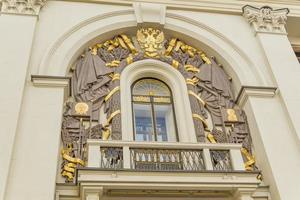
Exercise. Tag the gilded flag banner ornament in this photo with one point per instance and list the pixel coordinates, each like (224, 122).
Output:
(96, 95)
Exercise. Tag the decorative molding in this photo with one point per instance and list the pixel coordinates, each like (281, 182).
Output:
(150, 12)
(265, 19)
(254, 91)
(52, 81)
(24, 7)
(227, 7)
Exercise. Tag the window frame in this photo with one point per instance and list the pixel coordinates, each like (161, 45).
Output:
(152, 104)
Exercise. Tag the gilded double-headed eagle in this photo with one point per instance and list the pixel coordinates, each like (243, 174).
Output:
(151, 41)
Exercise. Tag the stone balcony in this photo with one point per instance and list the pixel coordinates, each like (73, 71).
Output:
(135, 170)
(164, 156)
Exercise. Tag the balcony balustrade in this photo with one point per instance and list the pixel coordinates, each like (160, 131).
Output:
(162, 156)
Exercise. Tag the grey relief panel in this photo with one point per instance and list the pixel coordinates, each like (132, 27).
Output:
(96, 93)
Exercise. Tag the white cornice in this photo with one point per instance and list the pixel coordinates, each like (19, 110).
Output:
(220, 6)
(52, 81)
(254, 91)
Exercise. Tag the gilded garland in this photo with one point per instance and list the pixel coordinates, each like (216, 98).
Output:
(96, 91)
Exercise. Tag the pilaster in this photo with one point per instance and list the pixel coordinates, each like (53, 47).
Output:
(268, 25)
(18, 20)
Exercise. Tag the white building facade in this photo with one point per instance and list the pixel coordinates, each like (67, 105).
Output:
(150, 100)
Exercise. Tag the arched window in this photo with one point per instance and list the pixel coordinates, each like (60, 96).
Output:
(153, 111)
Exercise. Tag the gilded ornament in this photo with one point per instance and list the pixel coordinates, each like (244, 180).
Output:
(231, 115)
(68, 169)
(129, 43)
(94, 50)
(112, 92)
(250, 159)
(81, 108)
(106, 133)
(129, 59)
(116, 77)
(111, 117)
(191, 68)
(122, 43)
(151, 41)
(114, 63)
(175, 64)
(204, 58)
(192, 81)
(211, 138)
(197, 97)
(172, 44)
(196, 116)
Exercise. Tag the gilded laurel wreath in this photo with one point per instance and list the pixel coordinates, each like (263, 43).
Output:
(151, 41)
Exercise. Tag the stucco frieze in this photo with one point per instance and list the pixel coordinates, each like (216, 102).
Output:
(265, 19)
(24, 7)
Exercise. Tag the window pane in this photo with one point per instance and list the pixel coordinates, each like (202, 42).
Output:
(143, 124)
(165, 127)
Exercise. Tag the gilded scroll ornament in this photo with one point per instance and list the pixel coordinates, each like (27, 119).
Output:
(116, 76)
(151, 41)
(249, 164)
(196, 116)
(116, 89)
(129, 43)
(204, 57)
(68, 169)
(114, 63)
(170, 47)
(191, 68)
(197, 97)
(192, 81)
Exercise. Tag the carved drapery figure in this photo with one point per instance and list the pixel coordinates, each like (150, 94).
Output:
(90, 81)
(96, 82)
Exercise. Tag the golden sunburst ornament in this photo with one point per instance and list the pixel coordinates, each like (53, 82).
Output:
(81, 108)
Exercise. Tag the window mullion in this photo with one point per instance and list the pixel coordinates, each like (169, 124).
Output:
(153, 118)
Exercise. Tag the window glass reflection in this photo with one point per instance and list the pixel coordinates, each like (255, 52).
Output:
(164, 121)
(143, 122)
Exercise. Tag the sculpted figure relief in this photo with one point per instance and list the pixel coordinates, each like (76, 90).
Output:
(96, 82)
